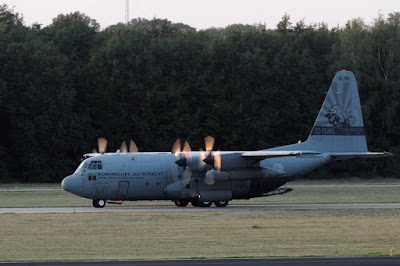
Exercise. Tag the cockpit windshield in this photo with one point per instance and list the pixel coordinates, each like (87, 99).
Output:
(89, 165)
(83, 164)
(95, 165)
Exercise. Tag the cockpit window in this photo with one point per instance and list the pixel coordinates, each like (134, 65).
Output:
(82, 165)
(95, 165)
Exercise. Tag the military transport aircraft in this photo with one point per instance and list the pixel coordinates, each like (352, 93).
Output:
(206, 177)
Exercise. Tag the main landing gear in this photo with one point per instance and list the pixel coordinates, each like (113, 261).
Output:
(99, 203)
(221, 203)
(181, 203)
(198, 203)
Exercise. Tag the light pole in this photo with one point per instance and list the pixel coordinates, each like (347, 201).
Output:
(126, 11)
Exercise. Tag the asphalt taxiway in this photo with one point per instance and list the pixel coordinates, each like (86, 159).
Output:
(312, 206)
(370, 261)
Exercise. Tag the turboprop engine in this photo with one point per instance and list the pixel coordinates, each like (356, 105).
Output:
(217, 166)
(200, 162)
(203, 161)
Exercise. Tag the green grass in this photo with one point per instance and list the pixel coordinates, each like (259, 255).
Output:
(84, 236)
(96, 236)
(57, 198)
(334, 195)
(29, 185)
(350, 181)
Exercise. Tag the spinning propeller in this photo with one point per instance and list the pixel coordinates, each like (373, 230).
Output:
(102, 146)
(213, 159)
(188, 161)
(132, 147)
(200, 162)
(184, 156)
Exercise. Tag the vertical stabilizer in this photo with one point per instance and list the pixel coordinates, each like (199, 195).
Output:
(339, 126)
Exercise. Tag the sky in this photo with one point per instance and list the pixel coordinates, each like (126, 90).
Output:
(208, 13)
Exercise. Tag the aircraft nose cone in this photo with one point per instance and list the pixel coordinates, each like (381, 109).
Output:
(73, 184)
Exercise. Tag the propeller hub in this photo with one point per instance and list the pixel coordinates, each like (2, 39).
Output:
(209, 160)
(181, 162)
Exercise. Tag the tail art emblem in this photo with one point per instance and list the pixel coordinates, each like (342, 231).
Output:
(341, 111)
(339, 118)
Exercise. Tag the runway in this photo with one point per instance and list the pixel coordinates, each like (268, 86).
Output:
(375, 261)
(316, 206)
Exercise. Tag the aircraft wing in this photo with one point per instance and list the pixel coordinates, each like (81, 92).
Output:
(348, 155)
(261, 155)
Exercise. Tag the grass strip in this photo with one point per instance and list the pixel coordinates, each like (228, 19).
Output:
(214, 234)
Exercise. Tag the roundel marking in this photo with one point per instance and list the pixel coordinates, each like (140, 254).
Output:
(278, 166)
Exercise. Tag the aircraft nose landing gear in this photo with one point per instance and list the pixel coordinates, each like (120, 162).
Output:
(99, 203)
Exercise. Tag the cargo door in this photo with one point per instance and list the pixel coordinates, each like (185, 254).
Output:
(123, 190)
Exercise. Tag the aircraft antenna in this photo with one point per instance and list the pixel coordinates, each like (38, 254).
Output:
(126, 11)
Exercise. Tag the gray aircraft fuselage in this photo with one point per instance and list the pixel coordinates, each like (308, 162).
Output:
(149, 176)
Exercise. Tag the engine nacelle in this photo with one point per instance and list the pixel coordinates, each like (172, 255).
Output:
(235, 161)
(179, 190)
(203, 162)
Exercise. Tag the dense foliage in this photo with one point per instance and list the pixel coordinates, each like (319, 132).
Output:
(64, 85)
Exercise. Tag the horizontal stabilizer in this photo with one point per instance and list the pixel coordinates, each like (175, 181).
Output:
(349, 155)
(261, 155)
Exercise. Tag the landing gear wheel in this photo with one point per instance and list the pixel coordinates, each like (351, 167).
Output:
(205, 203)
(197, 203)
(181, 203)
(221, 203)
(99, 203)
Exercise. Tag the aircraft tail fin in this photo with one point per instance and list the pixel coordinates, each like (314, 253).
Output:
(339, 126)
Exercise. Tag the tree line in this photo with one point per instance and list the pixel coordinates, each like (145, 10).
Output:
(64, 85)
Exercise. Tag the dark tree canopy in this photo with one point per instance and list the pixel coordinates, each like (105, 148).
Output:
(64, 85)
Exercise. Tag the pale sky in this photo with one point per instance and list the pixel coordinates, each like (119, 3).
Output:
(208, 13)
